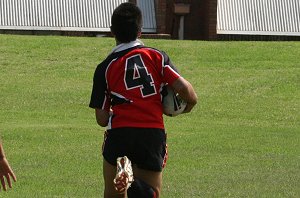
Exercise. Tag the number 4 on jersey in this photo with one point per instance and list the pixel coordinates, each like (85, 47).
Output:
(137, 76)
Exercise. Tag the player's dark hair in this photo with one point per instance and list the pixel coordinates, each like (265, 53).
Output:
(126, 22)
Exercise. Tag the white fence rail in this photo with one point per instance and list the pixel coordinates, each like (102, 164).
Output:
(61, 15)
(259, 17)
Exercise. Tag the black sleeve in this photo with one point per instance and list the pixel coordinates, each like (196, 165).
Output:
(167, 61)
(99, 91)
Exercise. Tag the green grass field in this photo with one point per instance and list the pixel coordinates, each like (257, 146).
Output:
(242, 139)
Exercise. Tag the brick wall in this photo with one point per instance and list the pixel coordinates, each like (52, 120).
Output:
(200, 23)
(161, 10)
(194, 22)
(212, 20)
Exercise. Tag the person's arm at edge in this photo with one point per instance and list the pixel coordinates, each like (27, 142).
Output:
(186, 93)
(5, 170)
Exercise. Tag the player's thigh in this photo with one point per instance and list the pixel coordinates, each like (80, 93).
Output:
(152, 178)
(109, 173)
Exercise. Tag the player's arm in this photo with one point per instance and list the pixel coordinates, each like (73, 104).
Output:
(179, 84)
(186, 92)
(102, 117)
(100, 100)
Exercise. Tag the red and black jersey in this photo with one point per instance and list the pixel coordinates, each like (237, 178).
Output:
(129, 81)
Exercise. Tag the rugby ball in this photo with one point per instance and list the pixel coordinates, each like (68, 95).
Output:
(173, 105)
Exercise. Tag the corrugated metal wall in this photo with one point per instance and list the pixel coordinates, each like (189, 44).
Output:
(259, 17)
(148, 10)
(64, 15)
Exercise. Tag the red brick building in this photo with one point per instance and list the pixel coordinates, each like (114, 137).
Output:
(200, 18)
(199, 23)
(177, 19)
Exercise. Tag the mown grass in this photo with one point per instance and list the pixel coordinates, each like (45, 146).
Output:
(242, 139)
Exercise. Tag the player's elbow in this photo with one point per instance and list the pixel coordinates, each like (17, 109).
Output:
(193, 99)
(102, 117)
(102, 123)
(191, 104)
(186, 91)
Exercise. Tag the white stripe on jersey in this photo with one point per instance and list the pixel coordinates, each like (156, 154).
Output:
(104, 102)
(168, 66)
(125, 46)
(119, 96)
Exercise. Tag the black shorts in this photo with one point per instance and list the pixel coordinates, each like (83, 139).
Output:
(145, 147)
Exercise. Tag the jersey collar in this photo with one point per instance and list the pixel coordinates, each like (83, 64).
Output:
(125, 46)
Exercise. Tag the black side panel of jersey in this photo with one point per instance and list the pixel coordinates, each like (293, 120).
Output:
(99, 88)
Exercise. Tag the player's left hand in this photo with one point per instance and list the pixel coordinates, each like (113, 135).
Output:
(6, 173)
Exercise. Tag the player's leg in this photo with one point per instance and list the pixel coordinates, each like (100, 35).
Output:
(147, 184)
(150, 158)
(117, 143)
(109, 173)
(139, 188)
(110, 153)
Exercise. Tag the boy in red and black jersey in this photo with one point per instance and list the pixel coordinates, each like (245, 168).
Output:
(130, 81)
(127, 99)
